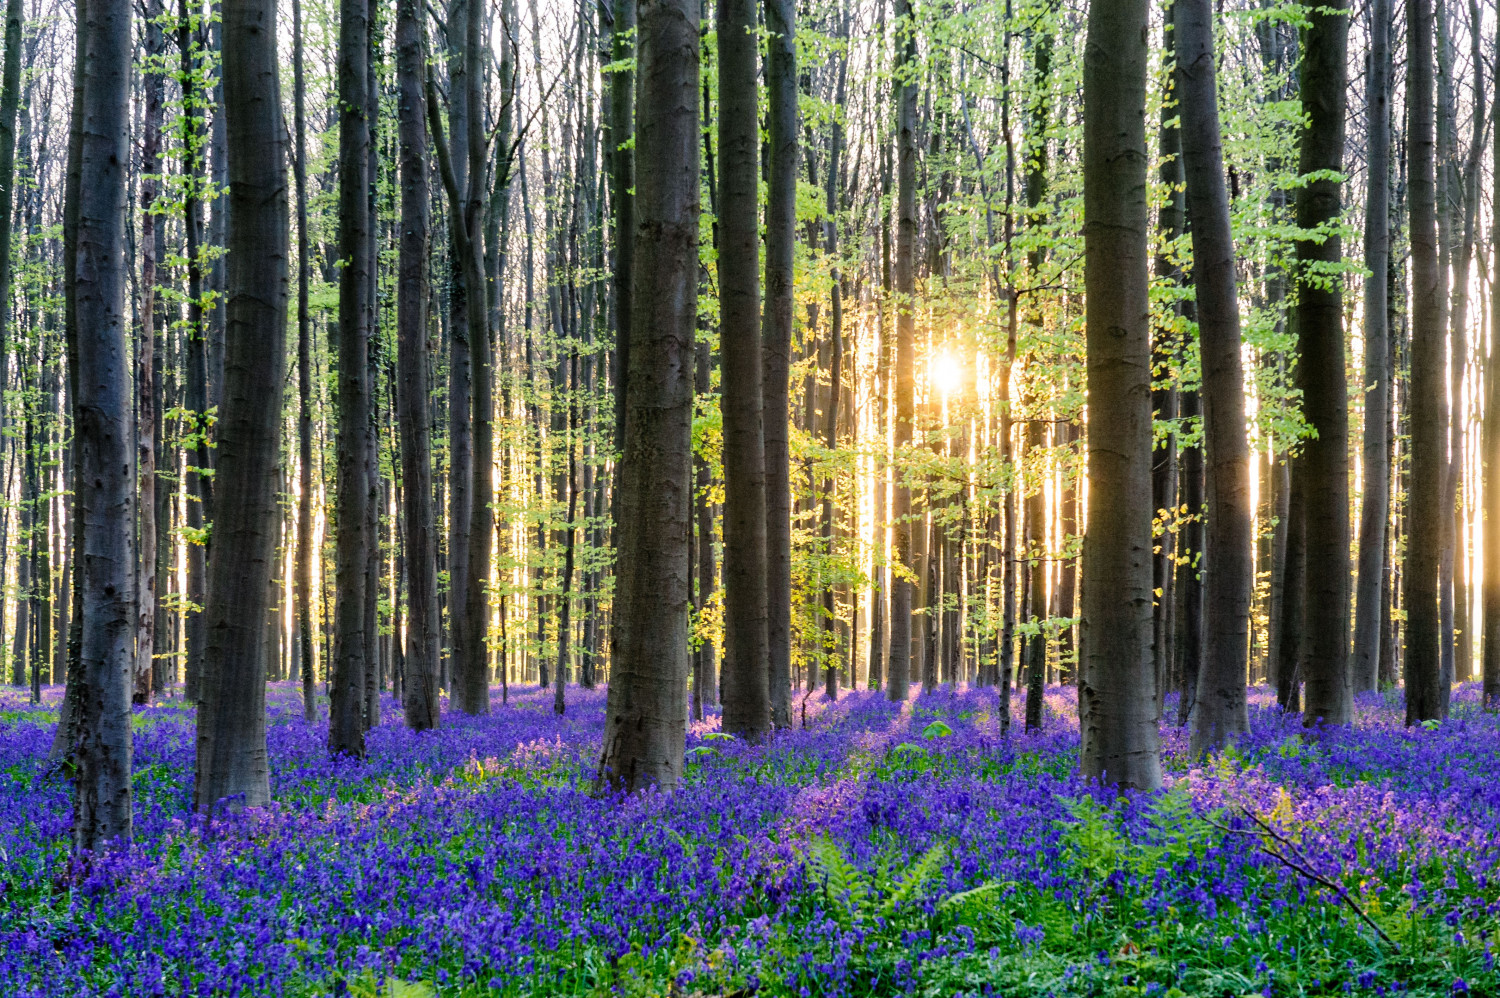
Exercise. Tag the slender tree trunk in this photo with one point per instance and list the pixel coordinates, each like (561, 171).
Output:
(199, 482)
(1428, 392)
(1117, 705)
(1219, 713)
(1376, 500)
(423, 633)
(460, 353)
(1187, 590)
(647, 709)
(776, 346)
(1490, 470)
(145, 366)
(102, 755)
(306, 534)
(898, 666)
(353, 643)
(747, 681)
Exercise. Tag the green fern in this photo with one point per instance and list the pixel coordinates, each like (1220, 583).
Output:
(365, 986)
(857, 895)
(917, 880)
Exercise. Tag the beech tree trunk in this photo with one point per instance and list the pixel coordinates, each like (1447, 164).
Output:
(232, 759)
(899, 657)
(352, 643)
(646, 714)
(145, 366)
(105, 483)
(423, 634)
(1320, 373)
(747, 707)
(776, 346)
(305, 532)
(1428, 391)
(1116, 694)
(1219, 715)
(1376, 500)
(1490, 470)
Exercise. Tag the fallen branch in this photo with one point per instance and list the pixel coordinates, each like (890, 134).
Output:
(1298, 863)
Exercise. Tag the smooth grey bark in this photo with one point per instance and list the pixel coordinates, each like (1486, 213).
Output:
(746, 679)
(423, 634)
(105, 483)
(1375, 505)
(1116, 692)
(232, 761)
(1327, 695)
(154, 85)
(776, 346)
(622, 205)
(305, 530)
(199, 460)
(646, 714)
(1489, 666)
(460, 351)
(356, 446)
(1219, 714)
(1428, 459)
(899, 657)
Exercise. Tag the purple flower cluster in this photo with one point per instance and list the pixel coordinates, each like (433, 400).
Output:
(478, 856)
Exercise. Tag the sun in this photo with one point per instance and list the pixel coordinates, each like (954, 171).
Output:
(946, 373)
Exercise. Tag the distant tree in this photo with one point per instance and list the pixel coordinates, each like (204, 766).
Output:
(646, 715)
(1375, 504)
(1117, 688)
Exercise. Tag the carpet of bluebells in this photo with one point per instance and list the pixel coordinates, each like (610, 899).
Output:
(877, 849)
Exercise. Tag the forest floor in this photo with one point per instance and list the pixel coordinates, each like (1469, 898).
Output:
(876, 850)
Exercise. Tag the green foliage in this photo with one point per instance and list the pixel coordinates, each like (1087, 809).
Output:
(886, 892)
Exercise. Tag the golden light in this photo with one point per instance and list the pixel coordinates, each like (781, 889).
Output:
(946, 373)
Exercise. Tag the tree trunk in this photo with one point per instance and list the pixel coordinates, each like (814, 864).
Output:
(232, 758)
(1490, 470)
(898, 665)
(647, 709)
(102, 754)
(747, 682)
(145, 366)
(1321, 374)
(776, 346)
(1117, 703)
(1219, 714)
(353, 644)
(1428, 392)
(306, 535)
(1376, 501)
(423, 634)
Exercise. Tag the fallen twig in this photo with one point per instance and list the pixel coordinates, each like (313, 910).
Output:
(1299, 863)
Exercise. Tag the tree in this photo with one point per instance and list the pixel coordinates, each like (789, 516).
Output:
(1490, 469)
(1320, 370)
(747, 709)
(352, 642)
(145, 353)
(1116, 694)
(232, 759)
(1428, 392)
(1375, 505)
(1219, 713)
(647, 708)
(898, 664)
(102, 754)
(423, 634)
(305, 526)
(776, 345)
